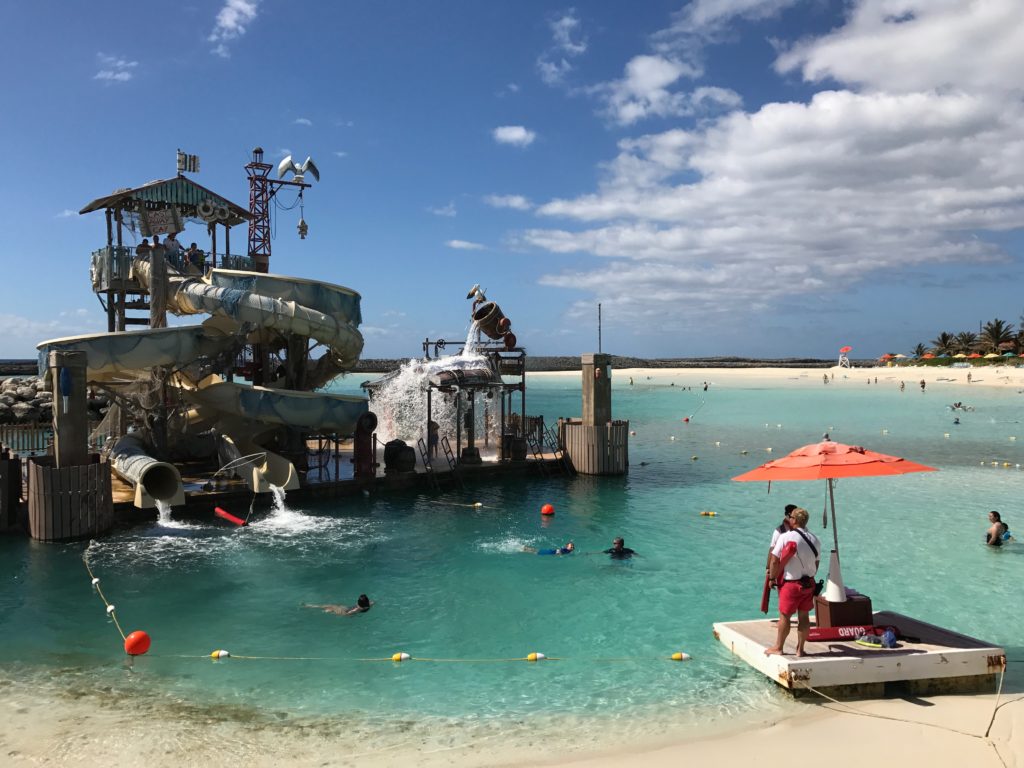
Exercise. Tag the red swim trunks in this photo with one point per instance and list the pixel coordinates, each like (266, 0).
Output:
(793, 598)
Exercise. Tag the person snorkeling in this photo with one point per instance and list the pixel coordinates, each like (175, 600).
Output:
(363, 604)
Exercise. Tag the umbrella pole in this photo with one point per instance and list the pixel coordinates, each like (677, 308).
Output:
(832, 502)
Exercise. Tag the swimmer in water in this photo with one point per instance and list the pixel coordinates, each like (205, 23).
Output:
(363, 604)
(619, 550)
(568, 549)
(999, 532)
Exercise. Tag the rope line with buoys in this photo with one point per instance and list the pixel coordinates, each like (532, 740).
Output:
(138, 643)
(135, 643)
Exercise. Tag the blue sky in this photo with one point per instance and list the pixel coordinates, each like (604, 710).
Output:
(752, 177)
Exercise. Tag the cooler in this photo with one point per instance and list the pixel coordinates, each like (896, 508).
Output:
(855, 610)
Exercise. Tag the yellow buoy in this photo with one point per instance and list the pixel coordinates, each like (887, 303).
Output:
(477, 504)
(708, 513)
(400, 656)
(680, 656)
(219, 654)
(535, 657)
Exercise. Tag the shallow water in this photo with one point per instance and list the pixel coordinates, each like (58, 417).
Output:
(450, 581)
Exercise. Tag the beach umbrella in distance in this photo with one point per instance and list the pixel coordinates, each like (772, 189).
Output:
(830, 461)
(900, 356)
(960, 355)
(973, 356)
(927, 356)
(991, 356)
(886, 356)
(1009, 354)
(844, 350)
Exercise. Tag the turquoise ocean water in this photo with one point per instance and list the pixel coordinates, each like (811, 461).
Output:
(450, 581)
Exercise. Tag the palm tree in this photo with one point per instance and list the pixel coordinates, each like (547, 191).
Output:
(944, 344)
(966, 341)
(919, 350)
(996, 333)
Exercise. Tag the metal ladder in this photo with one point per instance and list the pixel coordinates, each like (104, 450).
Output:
(537, 449)
(428, 467)
(559, 454)
(453, 465)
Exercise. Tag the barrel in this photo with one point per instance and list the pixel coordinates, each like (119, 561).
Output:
(487, 316)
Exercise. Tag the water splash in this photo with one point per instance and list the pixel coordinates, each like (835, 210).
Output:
(164, 508)
(401, 403)
(279, 506)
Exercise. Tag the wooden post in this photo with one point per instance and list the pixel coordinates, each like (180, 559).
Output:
(70, 424)
(157, 288)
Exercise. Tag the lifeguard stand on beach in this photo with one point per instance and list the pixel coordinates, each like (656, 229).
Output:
(844, 361)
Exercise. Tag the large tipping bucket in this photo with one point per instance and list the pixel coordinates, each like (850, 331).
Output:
(488, 315)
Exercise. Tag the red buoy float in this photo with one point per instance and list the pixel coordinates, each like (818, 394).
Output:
(228, 516)
(547, 509)
(137, 643)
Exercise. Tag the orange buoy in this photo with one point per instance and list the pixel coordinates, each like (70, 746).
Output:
(686, 419)
(137, 643)
(547, 509)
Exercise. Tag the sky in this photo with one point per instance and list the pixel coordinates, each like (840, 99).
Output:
(761, 178)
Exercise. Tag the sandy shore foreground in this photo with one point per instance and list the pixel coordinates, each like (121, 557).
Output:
(940, 731)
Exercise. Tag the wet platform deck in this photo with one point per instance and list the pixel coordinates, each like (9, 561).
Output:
(929, 659)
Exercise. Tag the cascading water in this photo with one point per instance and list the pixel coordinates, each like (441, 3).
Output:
(279, 496)
(401, 404)
(164, 509)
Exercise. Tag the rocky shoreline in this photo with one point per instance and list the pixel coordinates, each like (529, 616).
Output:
(28, 400)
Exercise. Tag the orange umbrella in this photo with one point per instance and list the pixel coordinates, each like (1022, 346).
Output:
(844, 350)
(830, 461)
(927, 356)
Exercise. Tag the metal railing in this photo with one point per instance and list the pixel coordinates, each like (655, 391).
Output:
(27, 439)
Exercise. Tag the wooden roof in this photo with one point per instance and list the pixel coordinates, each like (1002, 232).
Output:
(180, 192)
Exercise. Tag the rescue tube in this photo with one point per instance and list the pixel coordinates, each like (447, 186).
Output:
(207, 210)
(228, 516)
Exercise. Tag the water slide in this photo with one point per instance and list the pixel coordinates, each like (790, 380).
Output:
(242, 305)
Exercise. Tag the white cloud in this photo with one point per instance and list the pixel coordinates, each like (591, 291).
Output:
(232, 20)
(114, 69)
(340, 153)
(792, 202)
(919, 45)
(516, 135)
(303, 121)
(444, 210)
(555, 63)
(516, 202)
(465, 245)
(644, 91)
(284, 152)
(67, 213)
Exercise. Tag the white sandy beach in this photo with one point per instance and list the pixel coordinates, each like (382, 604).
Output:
(934, 377)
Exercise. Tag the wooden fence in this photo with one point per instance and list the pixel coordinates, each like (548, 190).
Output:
(70, 502)
(596, 450)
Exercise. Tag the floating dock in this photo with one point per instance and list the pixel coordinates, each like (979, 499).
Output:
(928, 660)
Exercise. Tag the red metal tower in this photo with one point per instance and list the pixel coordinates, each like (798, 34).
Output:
(261, 190)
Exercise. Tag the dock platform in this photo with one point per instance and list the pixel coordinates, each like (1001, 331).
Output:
(928, 660)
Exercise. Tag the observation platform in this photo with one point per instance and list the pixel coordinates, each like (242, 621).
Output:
(929, 660)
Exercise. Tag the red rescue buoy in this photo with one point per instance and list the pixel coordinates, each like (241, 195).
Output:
(137, 643)
(227, 516)
(686, 419)
(510, 341)
(547, 509)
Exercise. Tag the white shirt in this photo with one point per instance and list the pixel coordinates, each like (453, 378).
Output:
(171, 245)
(803, 563)
(775, 538)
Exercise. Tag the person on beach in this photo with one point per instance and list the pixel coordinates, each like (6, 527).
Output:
(968, 377)
(922, 385)
(568, 549)
(903, 385)
(999, 532)
(363, 604)
(795, 557)
(619, 550)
